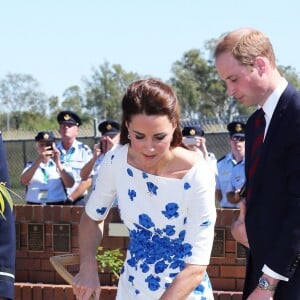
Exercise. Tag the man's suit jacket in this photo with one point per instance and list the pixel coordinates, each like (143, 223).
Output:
(273, 210)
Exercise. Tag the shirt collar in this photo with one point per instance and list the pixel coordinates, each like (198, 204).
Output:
(272, 101)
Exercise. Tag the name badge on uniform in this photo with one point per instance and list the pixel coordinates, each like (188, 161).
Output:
(43, 195)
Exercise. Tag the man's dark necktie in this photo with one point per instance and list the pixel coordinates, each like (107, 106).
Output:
(255, 150)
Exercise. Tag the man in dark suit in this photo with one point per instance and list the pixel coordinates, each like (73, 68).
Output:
(7, 237)
(245, 60)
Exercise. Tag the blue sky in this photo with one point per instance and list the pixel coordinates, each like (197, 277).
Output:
(58, 42)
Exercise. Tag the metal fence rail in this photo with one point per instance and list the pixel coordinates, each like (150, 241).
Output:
(19, 152)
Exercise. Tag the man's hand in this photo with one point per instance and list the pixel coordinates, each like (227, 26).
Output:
(259, 294)
(238, 229)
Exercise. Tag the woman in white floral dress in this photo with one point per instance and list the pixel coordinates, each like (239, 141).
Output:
(166, 199)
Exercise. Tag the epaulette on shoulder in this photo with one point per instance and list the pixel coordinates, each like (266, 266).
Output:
(221, 158)
(84, 146)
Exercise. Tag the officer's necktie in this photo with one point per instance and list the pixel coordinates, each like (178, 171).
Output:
(255, 150)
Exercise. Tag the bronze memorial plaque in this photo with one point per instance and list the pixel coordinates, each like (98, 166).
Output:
(18, 236)
(61, 237)
(240, 251)
(35, 237)
(218, 249)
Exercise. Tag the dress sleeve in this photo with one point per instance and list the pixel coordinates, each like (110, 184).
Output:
(201, 215)
(104, 191)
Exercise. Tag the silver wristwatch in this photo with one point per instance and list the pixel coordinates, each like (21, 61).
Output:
(264, 284)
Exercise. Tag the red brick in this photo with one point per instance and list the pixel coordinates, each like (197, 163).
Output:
(225, 297)
(38, 213)
(58, 279)
(37, 292)
(112, 243)
(237, 296)
(114, 215)
(69, 293)
(28, 212)
(22, 275)
(223, 284)
(230, 246)
(18, 292)
(28, 264)
(240, 284)
(232, 271)
(48, 292)
(219, 217)
(108, 293)
(41, 277)
(105, 278)
(227, 217)
(66, 214)
(57, 213)
(216, 296)
(26, 292)
(59, 293)
(76, 212)
(213, 271)
(222, 260)
(46, 265)
(47, 213)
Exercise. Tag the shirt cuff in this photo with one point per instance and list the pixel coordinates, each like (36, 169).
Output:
(273, 274)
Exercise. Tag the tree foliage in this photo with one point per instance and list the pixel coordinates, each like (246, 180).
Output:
(200, 91)
(104, 91)
(291, 75)
(19, 93)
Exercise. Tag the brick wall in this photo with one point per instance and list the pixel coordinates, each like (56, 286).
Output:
(36, 276)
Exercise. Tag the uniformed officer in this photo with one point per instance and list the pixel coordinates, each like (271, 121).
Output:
(231, 160)
(47, 177)
(74, 153)
(193, 138)
(109, 130)
(7, 237)
(237, 181)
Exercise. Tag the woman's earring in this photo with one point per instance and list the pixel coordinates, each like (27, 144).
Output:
(128, 136)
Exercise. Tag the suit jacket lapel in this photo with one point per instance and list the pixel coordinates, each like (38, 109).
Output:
(270, 135)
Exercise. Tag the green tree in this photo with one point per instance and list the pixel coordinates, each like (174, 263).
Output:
(291, 75)
(73, 99)
(201, 92)
(19, 93)
(105, 89)
(36, 121)
(54, 106)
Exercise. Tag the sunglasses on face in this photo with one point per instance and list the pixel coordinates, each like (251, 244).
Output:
(237, 138)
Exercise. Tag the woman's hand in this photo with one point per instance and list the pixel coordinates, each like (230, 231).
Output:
(86, 284)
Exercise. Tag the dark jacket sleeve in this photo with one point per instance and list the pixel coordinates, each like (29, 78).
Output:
(7, 253)
(7, 237)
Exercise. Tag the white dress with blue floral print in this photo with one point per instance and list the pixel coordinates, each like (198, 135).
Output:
(170, 221)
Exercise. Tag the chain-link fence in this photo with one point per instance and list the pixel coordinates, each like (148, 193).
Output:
(19, 152)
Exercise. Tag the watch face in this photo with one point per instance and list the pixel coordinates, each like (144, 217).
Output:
(263, 283)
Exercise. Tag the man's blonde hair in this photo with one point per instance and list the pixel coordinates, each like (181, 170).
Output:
(246, 44)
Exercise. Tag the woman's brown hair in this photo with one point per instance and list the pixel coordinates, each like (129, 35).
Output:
(150, 97)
